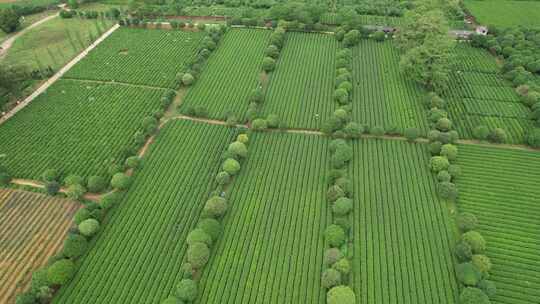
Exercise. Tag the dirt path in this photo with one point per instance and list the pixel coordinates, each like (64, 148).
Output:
(117, 83)
(57, 76)
(6, 45)
(36, 184)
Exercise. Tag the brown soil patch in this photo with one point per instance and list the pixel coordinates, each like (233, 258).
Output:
(123, 52)
(32, 229)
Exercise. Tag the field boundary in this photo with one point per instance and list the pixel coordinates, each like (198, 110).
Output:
(58, 75)
(120, 83)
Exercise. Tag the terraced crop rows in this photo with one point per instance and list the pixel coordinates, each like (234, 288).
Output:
(479, 95)
(272, 247)
(382, 95)
(301, 88)
(230, 75)
(402, 231)
(75, 127)
(139, 56)
(41, 224)
(137, 257)
(501, 188)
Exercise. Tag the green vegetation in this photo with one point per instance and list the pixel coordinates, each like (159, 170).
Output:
(505, 13)
(232, 72)
(381, 95)
(493, 183)
(140, 56)
(54, 43)
(478, 95)
(272, 238)
(75, 127)
(149, 228)
(300, 90)
(399, 225)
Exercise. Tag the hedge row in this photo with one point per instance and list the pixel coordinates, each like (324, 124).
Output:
(209, 227)
(473, 268)
(272, 53)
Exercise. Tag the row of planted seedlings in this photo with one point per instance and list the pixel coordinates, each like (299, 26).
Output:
(208, 230)
(338, 235)
(473, 265)
(256, 100)
(61, 268)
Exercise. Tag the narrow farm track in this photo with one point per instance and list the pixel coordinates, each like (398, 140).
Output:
(28, 248)
(402, 231)
(6, 44)
(36, 184)
(57, 76)
(272, 247)
(501, 187)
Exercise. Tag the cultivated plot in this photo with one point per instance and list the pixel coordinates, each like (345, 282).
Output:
(230, 75)
(75, 127)
(137, 257)
(501, 187)
(41, 224)
(381, 94)
(403, 235)
(479, 95)
(301, 88)
(139, 56)
(272, 246)
(505, 13)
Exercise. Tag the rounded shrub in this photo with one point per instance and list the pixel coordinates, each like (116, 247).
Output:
(198, 235)
(340, 295)
(198, 255)
(342, 221)
(377, 131)
(172, 300)
(39, 279)
(482, 263)
(342, 206)
(334, 235)
(438, 163)
(454, 170)
(238, 149)
(243, 138)
(481, 132)
(73, 179)
(447, 191)
(27, 297)
(444, 124)
(466, 221)
(50, 175)
(75, 245)
(343, 266)
(89, 227)
(223, 178)
(471, 295)
(444, 176)
(330, 278)
(411, 134)
(435, 148)
(215, 206)
(463, 252)
(475, 240)
(109, 200)
(187, 290)
(498, 135)
(81, 215)
(488, 287)
(449, 151)
(187, 79)
(334, 193)
(259, 124)
(331, 256)
(345, 184)
(533, 137)
(231, 166)
(133, 162)
(60, 272)
(211, 226)
(52, 188)
(468, 274)
(96, 184)
(120, 181)
(433, 135)
(269, 64)
(75, 192)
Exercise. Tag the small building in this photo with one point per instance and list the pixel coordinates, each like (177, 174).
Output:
(482, 30)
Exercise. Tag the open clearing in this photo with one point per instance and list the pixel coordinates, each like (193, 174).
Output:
(147, 231)
(502, 188)
(43, 223)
